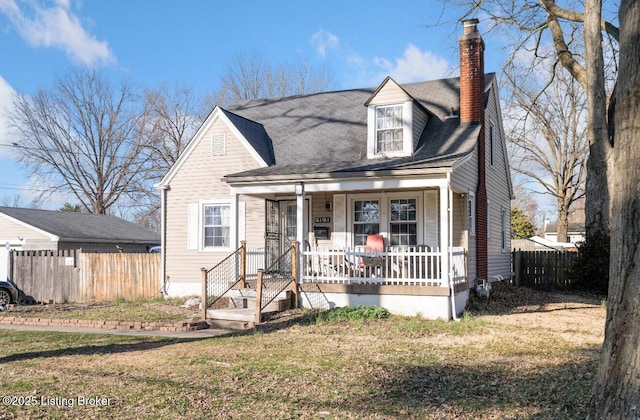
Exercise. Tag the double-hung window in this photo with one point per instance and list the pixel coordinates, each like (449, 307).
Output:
(216, 225)
(403, 222)
(389, 136)
(366, 220)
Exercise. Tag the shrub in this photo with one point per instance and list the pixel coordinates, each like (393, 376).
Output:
(353, 313)
(590, 269)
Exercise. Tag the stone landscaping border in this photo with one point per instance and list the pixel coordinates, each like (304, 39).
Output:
(106, 325)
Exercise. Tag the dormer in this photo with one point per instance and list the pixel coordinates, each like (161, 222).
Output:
(394, 122)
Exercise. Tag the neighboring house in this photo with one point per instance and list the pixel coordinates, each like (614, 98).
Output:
(33, 229)
(424, 165)
(538, 243)
(575, 232)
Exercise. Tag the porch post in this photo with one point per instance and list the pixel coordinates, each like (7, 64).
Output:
(234, 233)
(444, 234)
(300, 225)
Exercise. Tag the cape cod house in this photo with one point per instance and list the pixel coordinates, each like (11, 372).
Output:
(399, 195)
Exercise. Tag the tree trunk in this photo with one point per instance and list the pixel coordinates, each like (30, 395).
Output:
(616, 393)
(599, 182)
(563, 221)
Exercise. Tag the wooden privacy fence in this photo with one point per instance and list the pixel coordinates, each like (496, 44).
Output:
(542, 269)
(75, 276)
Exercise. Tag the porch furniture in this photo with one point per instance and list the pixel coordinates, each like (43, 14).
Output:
(372, 261)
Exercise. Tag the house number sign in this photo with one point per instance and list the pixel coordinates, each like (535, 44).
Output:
(321, 220)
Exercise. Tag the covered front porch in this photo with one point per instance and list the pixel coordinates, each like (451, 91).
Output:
(420, 265)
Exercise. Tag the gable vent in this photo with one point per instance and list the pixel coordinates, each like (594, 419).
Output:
(219, 144)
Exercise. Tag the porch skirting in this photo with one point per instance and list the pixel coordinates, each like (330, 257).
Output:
(430, 302)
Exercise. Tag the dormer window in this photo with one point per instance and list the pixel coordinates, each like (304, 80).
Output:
(395, 121)
(389, 129)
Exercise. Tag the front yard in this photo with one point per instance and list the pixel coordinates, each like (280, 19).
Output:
(529, 356)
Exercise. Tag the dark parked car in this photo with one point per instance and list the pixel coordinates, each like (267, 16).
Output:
(8, 293)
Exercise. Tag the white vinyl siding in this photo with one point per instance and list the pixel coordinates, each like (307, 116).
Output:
(400, 138)
(498, 191)
(192, 226)
(199, 180)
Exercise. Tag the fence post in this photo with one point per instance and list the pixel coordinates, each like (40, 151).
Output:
(258, 318)
(243, 264)
(294, 273)
(204, 293)
(517, 266)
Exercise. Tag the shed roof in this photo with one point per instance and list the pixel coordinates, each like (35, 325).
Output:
(83, 227)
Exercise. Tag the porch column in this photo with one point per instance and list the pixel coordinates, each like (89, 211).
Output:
(235, 229)
(444, 234)
(300, 226)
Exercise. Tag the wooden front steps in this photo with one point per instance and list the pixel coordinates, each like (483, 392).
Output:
(241, 313)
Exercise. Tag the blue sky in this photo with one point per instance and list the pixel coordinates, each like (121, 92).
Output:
(165, 41)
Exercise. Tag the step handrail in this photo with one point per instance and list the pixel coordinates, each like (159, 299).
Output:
(214, 284)
(267, 292)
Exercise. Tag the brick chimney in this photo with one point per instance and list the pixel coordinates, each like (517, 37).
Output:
(472, 111)
(471, 73)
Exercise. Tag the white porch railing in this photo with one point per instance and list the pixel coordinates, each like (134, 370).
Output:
(412, 266)
(255, 262)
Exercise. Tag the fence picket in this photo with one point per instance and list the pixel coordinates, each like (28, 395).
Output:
(542, 269)
(75, 276)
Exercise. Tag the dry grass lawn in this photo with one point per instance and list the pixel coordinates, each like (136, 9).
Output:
(521, 355)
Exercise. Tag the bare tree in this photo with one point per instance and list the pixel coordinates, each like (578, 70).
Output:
(546, 131)
(81, 137)
(171, 116)
(616, 393)
(578, 46)
(250, 77)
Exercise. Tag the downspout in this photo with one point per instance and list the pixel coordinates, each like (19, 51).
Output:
(454, 313)
(163, 238)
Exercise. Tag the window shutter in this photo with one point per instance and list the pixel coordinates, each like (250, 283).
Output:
(339, 221)
(431, 223)
(192, 226)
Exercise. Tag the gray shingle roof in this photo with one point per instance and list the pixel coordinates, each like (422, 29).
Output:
(84, 227)
(327, 132)
(255, 135)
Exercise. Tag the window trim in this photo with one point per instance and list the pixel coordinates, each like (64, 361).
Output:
(407, 130)
(385, 208)
(492, 148)
(201, 225)
(352, 223)
(488, 219)
(416, 221)
(503, 233)
(378, 130)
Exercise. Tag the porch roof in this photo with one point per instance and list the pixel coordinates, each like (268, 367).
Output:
(326, 133)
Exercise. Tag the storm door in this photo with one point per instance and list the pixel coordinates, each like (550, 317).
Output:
(272, 241)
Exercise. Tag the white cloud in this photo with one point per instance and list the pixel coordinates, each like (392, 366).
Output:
(414, 65)
(324, 40)
(57, 26)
